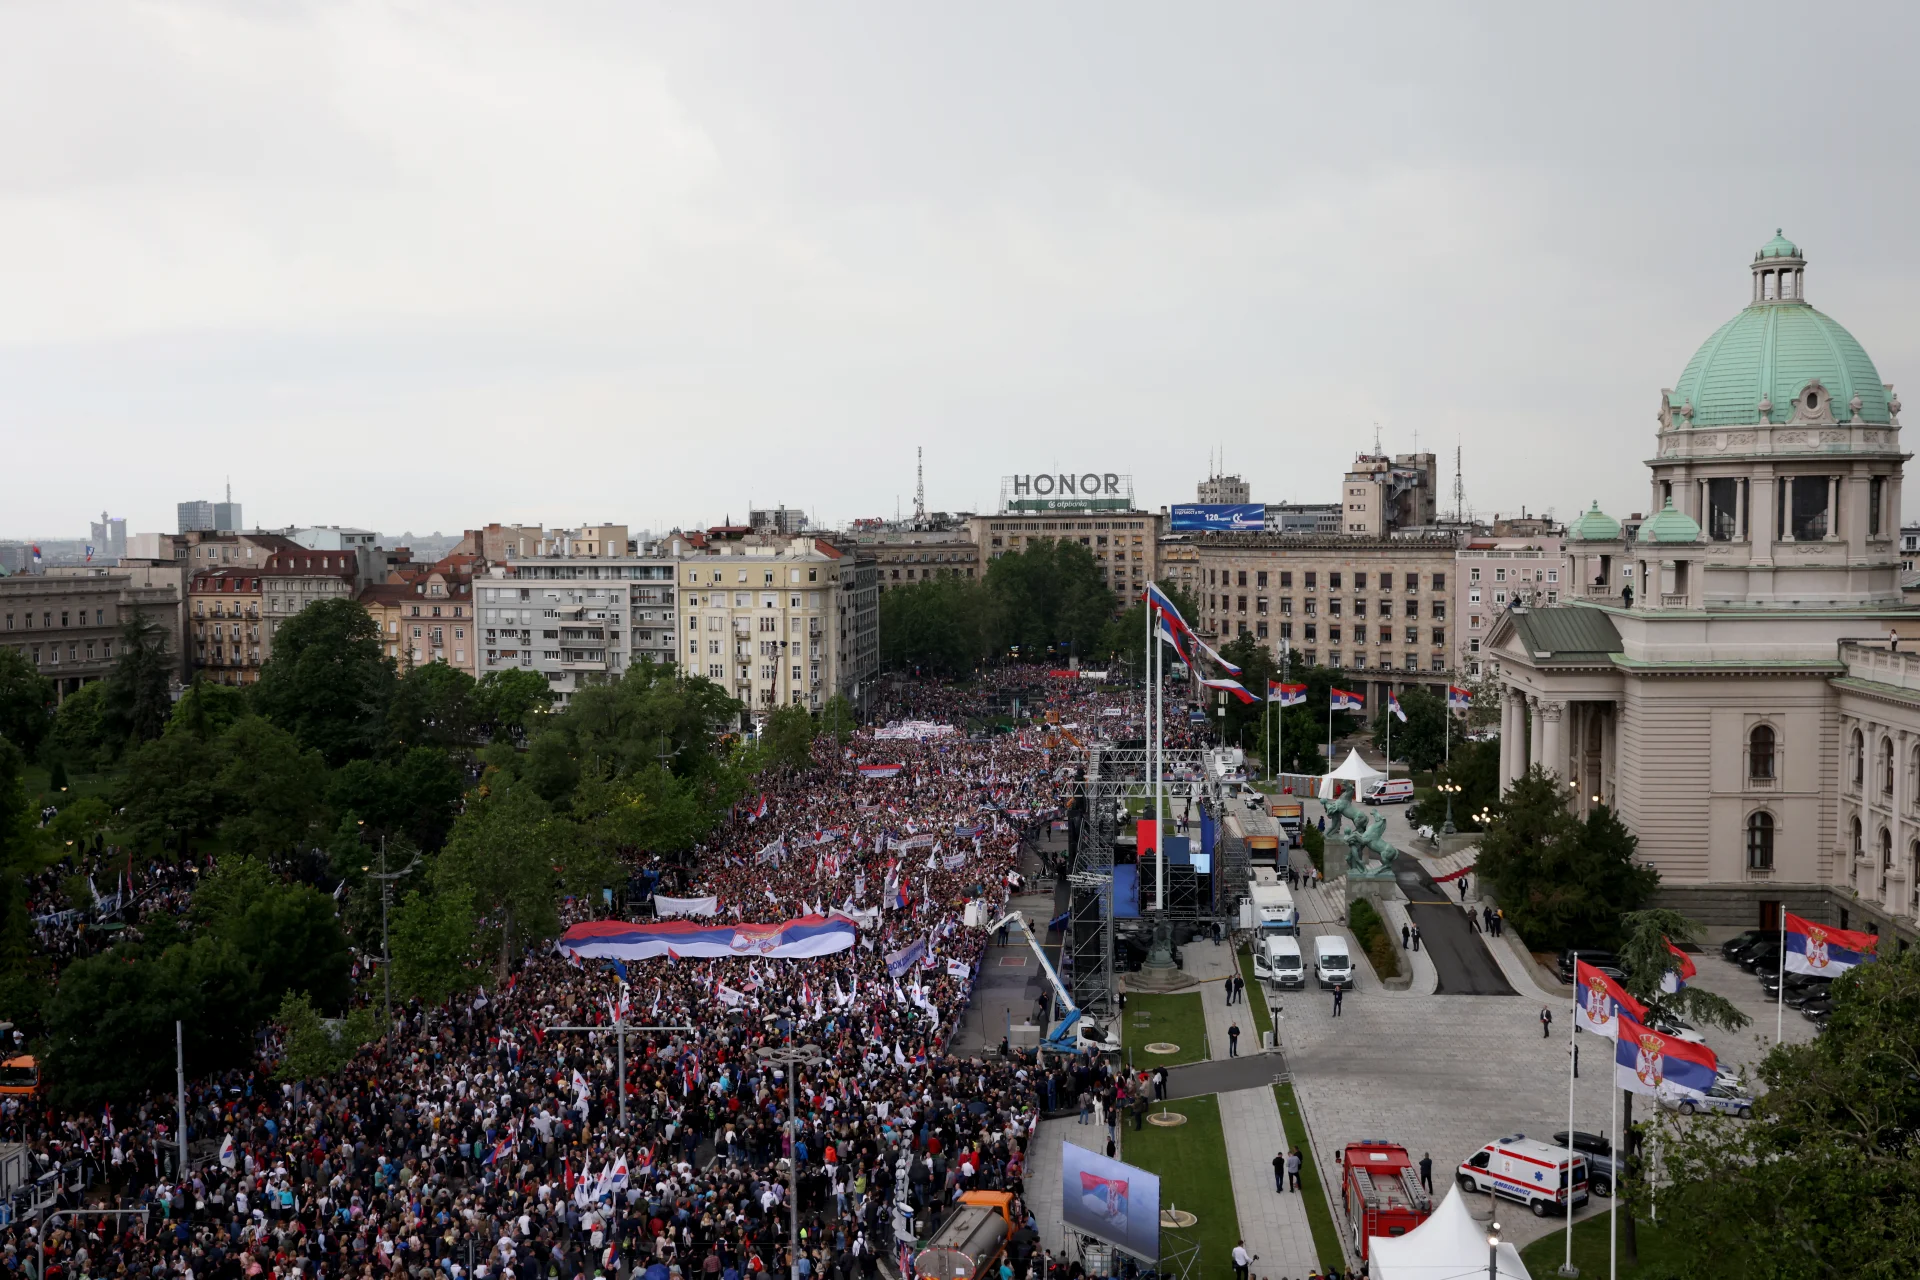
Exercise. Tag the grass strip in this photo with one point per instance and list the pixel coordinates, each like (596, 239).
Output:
(1191, 1161)
(1326, 1234)
(1256, 996)
(1371, 932)
(1179, 1019)
(1659, 1259)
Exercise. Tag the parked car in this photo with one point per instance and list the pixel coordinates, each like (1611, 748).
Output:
(1761, 957)
(1729, 1099)
(1817, 1013)
(1667, 1024)
(1601, 960)
(1811, 989)
(1730, 949)
(1821, 1003)
(1599, 1154)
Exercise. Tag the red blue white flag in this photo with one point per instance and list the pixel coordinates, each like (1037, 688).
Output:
(1819, 948)
(1287, 695)
(1602, 1003)
(1645, 1061)
(1342, 700)
(1459, 699)
(1393, 705)
(1233, 687)
(1675, 978)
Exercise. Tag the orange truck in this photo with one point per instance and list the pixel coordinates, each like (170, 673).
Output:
(969, 1243)
(20, 1076)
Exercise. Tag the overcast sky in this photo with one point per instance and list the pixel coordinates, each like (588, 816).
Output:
(429, 265)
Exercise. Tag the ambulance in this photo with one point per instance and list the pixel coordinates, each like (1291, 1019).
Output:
(1530, 1172)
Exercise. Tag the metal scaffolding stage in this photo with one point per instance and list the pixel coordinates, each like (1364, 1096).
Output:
(1114, 775)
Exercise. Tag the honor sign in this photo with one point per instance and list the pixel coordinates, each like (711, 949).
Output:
(1067, 491)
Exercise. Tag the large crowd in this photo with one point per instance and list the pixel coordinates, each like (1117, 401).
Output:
(479, 1142)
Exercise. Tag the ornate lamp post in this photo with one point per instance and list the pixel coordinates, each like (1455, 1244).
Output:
(1449, 790)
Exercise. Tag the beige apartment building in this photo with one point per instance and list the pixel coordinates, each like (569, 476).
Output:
(778, 620)
(235, 612)
(905, 556)
(1365, 605)
(1125, 544)
(428, 617)
(1494, 574)
(67, 621)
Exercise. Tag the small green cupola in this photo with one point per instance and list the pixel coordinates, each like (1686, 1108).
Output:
(1669, 525)
(1594, 525)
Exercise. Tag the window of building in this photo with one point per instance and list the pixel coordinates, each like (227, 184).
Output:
(1853, 826)
(1359, 608)
(1333, 580)
(1286, 579)
(1260, 606)
(1311, 634)
(1876, 499)
(1311, 584)
(1260, 578)
(1886, 766)
(1260, 630)
(1439, 635)
(1473, 645)
(1553, 575)
(1241, 603)
(1473, 574)
(1359, 582)
(1286, 631)
(1439, 582)
(1760, 744)
(1333, 608)
(1333, 634)
(1857, 757)
(1886, 849)
(1500, 575)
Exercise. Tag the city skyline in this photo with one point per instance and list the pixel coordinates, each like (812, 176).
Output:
(738, 251)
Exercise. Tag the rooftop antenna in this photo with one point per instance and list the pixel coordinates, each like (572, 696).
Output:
(1459, 488)
(919, 483)
(1376, 439)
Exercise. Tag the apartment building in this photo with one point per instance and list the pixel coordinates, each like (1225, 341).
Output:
(1380, 494)
(235, 612)
(67, 621)
(1493, 574)
(1365, 605)
(426, 617)
(1125, 544)
(903, 557)
(779, 620)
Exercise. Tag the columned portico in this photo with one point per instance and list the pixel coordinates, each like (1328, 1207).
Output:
(1553, 748)
(1535, 734)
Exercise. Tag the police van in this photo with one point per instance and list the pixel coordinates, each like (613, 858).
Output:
(1528, 1171)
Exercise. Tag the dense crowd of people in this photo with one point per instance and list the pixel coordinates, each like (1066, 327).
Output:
(479, 1141)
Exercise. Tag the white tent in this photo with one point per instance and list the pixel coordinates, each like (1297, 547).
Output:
(1353, 769)
(1448, 1245)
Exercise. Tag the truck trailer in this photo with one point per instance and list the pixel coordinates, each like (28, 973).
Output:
(970, 1241)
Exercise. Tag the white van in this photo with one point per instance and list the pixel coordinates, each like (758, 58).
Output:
(1531, 1172)
(1331, 963)
(1390, 791)
(1277, 962)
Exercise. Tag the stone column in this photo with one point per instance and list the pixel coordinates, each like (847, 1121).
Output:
(1509, 737)
(1553, 750)
(1833, 509)
(1534, 733)
(1784, 509)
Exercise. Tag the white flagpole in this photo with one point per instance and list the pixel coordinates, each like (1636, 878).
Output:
(1159, 822)
(1573, 1029)
(1613, 1209)
(1389, 730)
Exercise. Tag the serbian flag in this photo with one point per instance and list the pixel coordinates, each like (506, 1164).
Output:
(1233, 687)
(1172, 637)
(1287, 695)
(1675, 978)
(1819, 948)
(1459, 699)
(880, 770)
(1105, 1198)
(1341, 700)
(1213, 653)
(1158, 602)
(1645, 1061)
(1602, 1002)
(1393, 705)
(758, 811)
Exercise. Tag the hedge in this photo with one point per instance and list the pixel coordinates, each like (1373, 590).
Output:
(1371, 933)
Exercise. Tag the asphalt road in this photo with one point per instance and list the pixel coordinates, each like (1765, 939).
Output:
(1224, 1075)
(1458, 953)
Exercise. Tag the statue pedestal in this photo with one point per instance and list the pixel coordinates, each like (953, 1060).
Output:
(1376, 889)
(1151, 979)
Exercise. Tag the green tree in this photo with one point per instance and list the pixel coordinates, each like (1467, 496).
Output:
(1562, 882)
(167, 798)
(837, 720)
(433, 705)
(1050, 600)
(1820, 1182)
(268, 788)
(1246, 723)
(313, 1048)
(23, 968)
(1475, 768)
(787, 738)
(621, 728)
(139, 689)
(510, 853)
(206, 710)
(414, 795)
(80, 733)
(432, 943)
(943, 626)
(327, 682)
(505, 703)
(650, 812)
(1422, 740)
(25, 699)
(287, 936)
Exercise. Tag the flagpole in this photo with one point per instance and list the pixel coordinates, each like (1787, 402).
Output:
(1780, 994)
(1573, 1029)
(1613, 1208)
(1389, 730)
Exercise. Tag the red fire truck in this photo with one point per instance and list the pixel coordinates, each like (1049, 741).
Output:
(1381, 1191)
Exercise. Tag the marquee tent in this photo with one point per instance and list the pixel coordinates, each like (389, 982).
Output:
(1448, 1245)
(1353, 769)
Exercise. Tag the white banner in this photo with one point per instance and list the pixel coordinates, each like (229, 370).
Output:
(954, 861)
(731, 998)
(913, 730)
(958, 969)
(665, 906)
(773, 852)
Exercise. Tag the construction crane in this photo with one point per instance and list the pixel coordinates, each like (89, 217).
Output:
(1073, 1034)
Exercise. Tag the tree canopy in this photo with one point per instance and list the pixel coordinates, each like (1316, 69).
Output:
(1562, 881)
(25, 699)
(327, 682)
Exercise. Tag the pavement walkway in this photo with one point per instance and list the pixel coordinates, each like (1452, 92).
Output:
(1273, 1225)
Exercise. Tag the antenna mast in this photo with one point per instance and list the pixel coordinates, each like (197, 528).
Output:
(1459, 488)
(919, 483)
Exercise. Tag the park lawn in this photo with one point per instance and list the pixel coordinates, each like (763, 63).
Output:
(1191, 1161)
(1326, 1233)
(1177, 1019)
(38, 785)
(1658, 1257)
(1256, 997)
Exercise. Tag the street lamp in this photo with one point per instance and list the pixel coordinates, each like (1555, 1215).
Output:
(1493, 1253)
(1449, 790)
(790, 1057)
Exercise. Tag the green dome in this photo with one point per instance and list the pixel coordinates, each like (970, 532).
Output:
(1772, 350)
(1778, 247)
(1594, 525)
(1669, 525)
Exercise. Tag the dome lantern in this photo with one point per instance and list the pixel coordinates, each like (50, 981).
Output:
(1779, 271)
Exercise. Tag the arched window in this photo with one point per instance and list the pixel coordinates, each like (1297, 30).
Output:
(1886, 849)
(1760, 841)
(1859, 846)
(1760, 753)
(1886, 766)
(1859, 757)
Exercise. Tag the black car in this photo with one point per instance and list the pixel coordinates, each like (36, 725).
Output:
(1730, 949)
(1605, 961)
(1761, 956)
(1599, 1154)
(1814, 990)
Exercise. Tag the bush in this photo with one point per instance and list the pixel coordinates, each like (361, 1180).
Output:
(1371, 932)
(1315, 844)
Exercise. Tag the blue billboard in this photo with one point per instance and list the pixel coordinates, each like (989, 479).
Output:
(1219, 517)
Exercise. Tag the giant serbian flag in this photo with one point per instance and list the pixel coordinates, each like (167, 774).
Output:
(1602, 1002)
(1819, 948)
(798, 939)
(1644, 1061)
